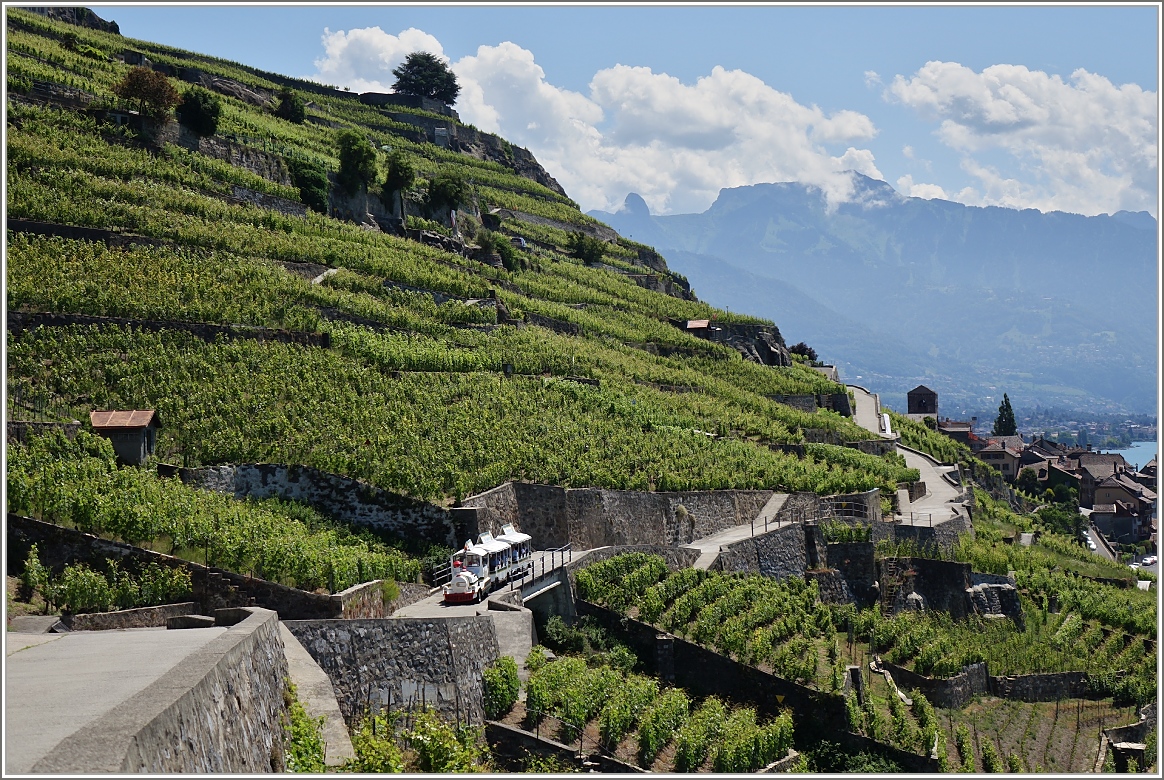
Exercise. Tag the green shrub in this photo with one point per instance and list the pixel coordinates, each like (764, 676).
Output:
(357, 158)
(304, 735)
(501, 687)
(965, 748)
(374, 744)
(291, 107)
(312, 181)
(200, 110)
(991, 761)
(536, 658)
(441, 747)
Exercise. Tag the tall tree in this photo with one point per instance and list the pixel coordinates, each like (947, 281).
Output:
(399, 177)
(423, 75)
(1004, 424)
(357, 159)
(154, 93)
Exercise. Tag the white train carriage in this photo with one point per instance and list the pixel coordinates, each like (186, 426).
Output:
(521, 551)
(479, 567)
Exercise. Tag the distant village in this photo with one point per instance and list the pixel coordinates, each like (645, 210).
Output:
(1119, 500)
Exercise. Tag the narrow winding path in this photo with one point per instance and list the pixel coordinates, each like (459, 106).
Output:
(938, 504)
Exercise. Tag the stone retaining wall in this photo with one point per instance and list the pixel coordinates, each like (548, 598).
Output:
(1042, 687)
(596, 517)
(953, 692)
(79, 233)
(21, 321)
(778, 553)
(218, 711)
(511, 745)
(831, 586)
(22, 430)
(213, 588)
(142, 617)
(399, 662)
(854, 561)
(262, 200)
(347, 500)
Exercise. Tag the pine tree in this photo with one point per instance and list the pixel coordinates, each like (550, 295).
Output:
(1004, 424)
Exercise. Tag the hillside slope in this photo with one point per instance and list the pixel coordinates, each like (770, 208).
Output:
(432, 372)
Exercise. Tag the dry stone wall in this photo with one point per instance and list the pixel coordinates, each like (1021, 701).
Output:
(345, 499)
(953, 692)
(213, 588)
(854, 561)
(142, 617)
(21, 321)
(595, 517)
(399, 662)
(779, 553)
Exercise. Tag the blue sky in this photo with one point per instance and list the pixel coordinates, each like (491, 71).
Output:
(1032, 107)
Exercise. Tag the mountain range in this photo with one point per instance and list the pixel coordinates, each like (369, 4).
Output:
(1052, 308)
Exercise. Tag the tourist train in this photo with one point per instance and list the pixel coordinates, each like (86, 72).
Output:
(478, 568)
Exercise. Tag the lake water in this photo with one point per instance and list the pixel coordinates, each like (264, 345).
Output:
(1139, 453)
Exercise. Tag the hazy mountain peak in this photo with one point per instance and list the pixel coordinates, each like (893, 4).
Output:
(1141, 220)
(635, 206)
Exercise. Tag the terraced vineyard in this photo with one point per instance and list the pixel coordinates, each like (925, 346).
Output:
(429, 399)
(634, 719)
(781, 626)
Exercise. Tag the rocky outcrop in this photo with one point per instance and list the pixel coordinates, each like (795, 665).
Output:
(757, 343)
(82, 17)
(486, 146)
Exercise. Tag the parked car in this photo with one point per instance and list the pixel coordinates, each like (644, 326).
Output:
(1149, 560)
(1091, 545)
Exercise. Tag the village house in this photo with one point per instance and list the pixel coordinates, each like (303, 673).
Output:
(133, 432)
(1004, 453)
(957, 430)
(1121, 487)
(1093, 468)
(1119, 522)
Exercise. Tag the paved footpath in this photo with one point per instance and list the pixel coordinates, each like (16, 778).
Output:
(54, 684)
(937, 505)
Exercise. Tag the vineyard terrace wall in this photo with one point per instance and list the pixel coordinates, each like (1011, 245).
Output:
(596, 517)
(395, 663)
(218, 710)
(21, 321)
(212, 588)
(704, 672)
(344, 499)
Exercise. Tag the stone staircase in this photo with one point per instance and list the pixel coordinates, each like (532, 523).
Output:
(219, 592)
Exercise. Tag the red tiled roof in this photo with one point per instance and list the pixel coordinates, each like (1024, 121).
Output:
(133, 418)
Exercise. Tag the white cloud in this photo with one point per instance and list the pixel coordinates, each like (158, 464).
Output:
(675, 144)
(907, 152)
(872, 78)
(636, 130)
(1083, 145)
(363, 59)
(907, 186)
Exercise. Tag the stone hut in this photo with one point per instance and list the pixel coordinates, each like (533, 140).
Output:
(133, 432)
(922, 400)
